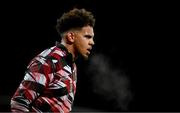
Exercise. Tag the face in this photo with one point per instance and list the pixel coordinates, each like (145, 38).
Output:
(84, 41)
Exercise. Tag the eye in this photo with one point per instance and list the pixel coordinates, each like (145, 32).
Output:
(88, 36)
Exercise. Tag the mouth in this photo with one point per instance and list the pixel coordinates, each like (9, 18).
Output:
(89, 50)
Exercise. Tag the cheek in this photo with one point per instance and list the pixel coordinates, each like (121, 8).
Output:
(78, 46)
(81, 48)
(81, 44)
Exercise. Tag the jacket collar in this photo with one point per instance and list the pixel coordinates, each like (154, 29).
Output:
(69, 57)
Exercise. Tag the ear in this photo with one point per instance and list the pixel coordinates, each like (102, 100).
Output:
(70, 37)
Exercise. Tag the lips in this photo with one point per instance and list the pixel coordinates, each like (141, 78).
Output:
(89, 49)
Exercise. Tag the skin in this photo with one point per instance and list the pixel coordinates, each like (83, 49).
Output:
(79, 41)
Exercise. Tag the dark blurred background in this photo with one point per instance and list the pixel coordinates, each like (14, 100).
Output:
(133, 65)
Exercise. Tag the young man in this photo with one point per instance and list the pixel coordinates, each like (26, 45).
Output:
(49, 84)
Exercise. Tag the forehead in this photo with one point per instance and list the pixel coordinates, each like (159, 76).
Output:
(87, 30)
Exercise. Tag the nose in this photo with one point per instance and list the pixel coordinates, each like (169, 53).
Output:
(92, 41)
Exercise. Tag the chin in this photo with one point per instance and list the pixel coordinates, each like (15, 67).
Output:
(85, 57)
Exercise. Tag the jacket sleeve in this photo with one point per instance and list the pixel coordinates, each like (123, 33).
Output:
(36, 79)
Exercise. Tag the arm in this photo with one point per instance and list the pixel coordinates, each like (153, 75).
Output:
(35, 80)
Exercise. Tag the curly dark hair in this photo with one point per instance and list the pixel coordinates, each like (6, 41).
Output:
(75, 18)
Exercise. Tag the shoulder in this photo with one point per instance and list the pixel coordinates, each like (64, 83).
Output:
(49, 55)
(52, 52)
